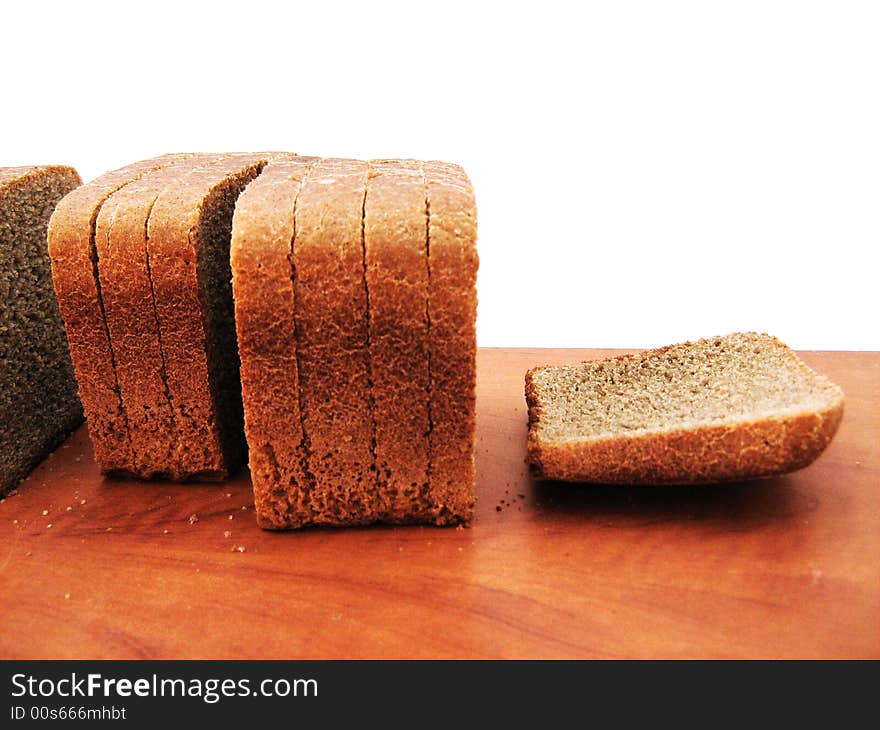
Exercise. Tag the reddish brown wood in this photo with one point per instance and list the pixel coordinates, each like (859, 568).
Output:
(788, 567)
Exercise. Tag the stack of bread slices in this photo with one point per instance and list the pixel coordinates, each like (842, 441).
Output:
(346, 356)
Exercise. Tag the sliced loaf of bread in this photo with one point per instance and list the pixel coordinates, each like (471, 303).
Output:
(130, 311)
(38, 397)
(348, 420)
(75, 276)
(728, 408)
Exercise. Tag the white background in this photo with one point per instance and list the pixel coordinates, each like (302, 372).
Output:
(646, 172)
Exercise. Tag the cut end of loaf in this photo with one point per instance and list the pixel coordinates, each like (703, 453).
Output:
(38, 394)
(725, 408)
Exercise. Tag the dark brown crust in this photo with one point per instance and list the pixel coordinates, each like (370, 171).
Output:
(262, 236)
(453, 264)
(124, 272)
(396, 270)
(332, 342)
(74, 273)
(748, 449)
(209, 445)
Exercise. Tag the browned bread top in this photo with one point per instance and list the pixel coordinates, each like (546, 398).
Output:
(721, 409)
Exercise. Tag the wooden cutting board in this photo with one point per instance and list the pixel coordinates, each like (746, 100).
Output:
(787, 567)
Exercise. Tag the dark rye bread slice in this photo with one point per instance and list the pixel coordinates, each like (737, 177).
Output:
(452, 312)
(38, 399)
(188, 238)
(263, 231)
(332, 343)
(396, 270)
(130, 311)
(728, 408)
(75, 277)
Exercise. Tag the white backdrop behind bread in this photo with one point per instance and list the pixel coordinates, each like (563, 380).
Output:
(645, 172)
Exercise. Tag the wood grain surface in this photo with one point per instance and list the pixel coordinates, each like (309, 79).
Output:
(788, 567)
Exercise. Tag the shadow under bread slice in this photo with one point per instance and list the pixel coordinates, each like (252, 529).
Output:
(38, 399)
(188, 238)
(263, 232)
(728, 408)
(75, 277)
(452, 304)
(396, 270)
(332, 342)
(129, 308)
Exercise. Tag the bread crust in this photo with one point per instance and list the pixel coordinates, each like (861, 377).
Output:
(210, 444)
(724, 452)
(129, 308)
(262, 237)
(333, 343)
(396, 270)
(452, 302)
(74, 273)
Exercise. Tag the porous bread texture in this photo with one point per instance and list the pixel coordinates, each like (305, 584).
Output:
(75, 277)
(727, 408)
(262, 283)
(396, 271)
(38, 397)
(130, 311)
(188, 240)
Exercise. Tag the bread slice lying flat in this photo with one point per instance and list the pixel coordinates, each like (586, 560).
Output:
(729, 408)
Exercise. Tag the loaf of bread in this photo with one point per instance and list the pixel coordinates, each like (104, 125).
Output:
(141, 267)
(345, 412)
(75, 276)
(729, 408)
(347, 359)
(38, 398)
(130, 311)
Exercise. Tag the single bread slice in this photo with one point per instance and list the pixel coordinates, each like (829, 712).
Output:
(729, 408)
(452, 308)
(75, 277)
(396, 270)
(262, 283)
(332, 342)
(38, 399)
(188, 240)
(129, 307)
